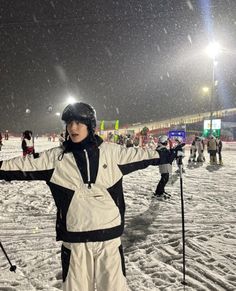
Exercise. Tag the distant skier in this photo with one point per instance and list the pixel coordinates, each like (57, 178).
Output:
(136, 141)
(27, 144)
(179, 141)
(129, 141)
(151, 143)
(219, 149)
(212, 149)
(199, 143)
(193, 150)
(164, 169)
(6, 135)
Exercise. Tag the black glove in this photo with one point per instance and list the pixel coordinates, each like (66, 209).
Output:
(35, 155)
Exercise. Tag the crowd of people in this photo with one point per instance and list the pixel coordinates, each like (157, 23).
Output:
(212, 144)
(198, 147)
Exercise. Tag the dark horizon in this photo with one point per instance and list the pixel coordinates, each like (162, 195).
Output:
(134, 61)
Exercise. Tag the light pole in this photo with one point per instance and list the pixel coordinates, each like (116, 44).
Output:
(213, 49)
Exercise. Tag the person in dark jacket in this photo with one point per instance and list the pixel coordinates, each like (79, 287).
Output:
(165, 169)
(219, 149)
(85, 178)
(6, 135)
(179, 142)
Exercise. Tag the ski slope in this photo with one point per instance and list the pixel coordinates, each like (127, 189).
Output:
(152, 239)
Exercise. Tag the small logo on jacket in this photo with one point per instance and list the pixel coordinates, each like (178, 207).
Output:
(104, 166)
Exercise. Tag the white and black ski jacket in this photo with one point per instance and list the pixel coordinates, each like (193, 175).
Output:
(86, 184)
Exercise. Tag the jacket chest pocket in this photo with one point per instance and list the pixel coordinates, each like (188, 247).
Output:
(93, 209)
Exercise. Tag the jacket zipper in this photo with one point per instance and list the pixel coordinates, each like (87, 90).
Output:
(88, 168)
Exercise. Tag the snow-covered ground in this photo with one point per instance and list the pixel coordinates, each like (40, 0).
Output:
(153, 236)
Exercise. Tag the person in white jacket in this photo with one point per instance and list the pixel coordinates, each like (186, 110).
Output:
(199, 142)
(27, 143)
(85, 179)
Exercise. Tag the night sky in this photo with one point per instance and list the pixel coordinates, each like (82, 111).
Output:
(134, 61)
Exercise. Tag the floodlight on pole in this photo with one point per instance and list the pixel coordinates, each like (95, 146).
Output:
(71, 99)
(213, 49)
(205, 90)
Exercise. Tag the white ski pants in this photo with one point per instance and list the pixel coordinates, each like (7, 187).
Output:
(100, 264)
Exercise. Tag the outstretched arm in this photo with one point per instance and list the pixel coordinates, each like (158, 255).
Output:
(132, 159)
(28, 168)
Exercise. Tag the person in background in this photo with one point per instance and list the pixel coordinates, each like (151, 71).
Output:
(212, 149)
(129, 141)
(85, 178)
(179, 141)
(61, 138)
(27, 143)
(151, 142)
(164, 169)
(6, 135)
(136, 141)
(203, 148)
(199, 144)
(219, 149)
(193, 150)
(110, 137)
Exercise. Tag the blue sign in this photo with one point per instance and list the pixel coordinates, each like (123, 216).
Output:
(177, 133)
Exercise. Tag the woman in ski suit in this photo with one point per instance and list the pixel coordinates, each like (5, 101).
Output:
(85, 178)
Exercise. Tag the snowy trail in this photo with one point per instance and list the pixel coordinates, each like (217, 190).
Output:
(152, 239)
(155, 235)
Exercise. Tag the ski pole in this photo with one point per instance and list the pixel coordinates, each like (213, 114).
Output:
(13, 267)
(180, 164)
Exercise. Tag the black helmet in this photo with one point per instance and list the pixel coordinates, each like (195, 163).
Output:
(82, 112)
(27, 134)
